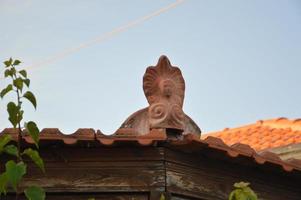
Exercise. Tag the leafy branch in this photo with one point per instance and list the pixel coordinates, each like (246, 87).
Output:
(17, 168)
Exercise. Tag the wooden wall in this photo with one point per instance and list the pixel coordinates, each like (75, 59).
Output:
(136, 173)
(103, 173)
(202, 177)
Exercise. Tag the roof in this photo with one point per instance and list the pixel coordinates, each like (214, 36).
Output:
(263, 135)
(190, 143)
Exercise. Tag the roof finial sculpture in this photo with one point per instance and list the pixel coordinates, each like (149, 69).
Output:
(164, 88)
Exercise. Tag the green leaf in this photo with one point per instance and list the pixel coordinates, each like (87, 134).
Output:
(18, 83)
(27, 82)
(242, 192)
(6, 90)
(232, 195)
(16, 62)
(35, 157)
(3, 183)
(13, 111)
(4, 140)
(35, 193)
(8, 62)
(7, 73)
(29, 95)
(13, 71)
(11, 150)
(250, 193)
(33, 131)
(15, 172)
(10, 72)
(23, 73)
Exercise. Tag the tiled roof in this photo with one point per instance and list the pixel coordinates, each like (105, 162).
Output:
(210, 147)
(263, 135)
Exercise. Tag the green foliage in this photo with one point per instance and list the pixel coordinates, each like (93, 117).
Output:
(30, 97)
(3, 183)
(6, 90)
(162, 197)
(16, 62)
(18, 83)
(11, 150)
(10, 72)
(27, 82)
(35, 193)
(15, 172)
(16, 169)
(33, 131)
(15, 113)
(8, 63)
(242, 191)
(23, 73)
(35, 157)
(4, 140)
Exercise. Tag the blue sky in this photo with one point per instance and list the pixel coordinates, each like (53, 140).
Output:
(241, 60)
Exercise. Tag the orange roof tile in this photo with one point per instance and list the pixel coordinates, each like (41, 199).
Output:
(262, 135)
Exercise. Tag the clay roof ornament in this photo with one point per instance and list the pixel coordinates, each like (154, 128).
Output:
(164, 88)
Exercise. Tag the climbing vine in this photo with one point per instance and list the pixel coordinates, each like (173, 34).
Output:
(13, 171)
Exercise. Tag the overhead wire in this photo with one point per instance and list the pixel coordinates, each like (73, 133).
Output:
(106, 36)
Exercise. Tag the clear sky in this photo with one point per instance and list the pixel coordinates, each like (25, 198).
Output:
(241, 60)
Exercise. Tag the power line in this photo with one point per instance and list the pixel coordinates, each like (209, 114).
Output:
(107, 35)
(104, 36)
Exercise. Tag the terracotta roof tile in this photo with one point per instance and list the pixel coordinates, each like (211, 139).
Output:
(188, 143)
(264, 134)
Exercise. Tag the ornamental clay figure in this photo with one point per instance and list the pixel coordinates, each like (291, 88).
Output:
(164, 88)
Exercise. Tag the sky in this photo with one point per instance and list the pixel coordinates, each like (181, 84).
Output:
(241, 60)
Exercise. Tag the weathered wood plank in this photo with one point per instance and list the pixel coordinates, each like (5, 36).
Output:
(77, 154)
(194, 176)
(188, 182)
(98, 177)
(79, 196)
(107, 169)
(176, 197)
